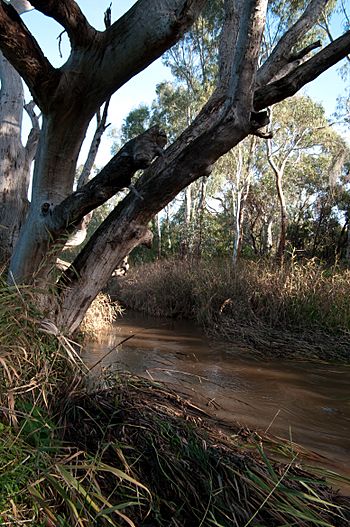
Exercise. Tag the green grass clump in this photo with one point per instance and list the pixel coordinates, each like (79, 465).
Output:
(16, 471)
(196, 474)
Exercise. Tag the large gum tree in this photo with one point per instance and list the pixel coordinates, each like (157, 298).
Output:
(100, 63)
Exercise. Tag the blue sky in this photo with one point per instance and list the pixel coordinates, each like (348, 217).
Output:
(141, 89)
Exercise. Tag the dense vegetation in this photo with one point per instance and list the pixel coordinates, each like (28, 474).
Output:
(300, 309)
(258, 251)
(124, 451)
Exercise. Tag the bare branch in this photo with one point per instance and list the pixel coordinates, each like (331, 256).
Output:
(327, 29)
(33, 138)
(101, 124)
(281, 55)
(59, 38)
(240, 46)
(23, 52)
(295, 60)
(95, 143)
(68, 14)
(139, 37)
(303, 74)
(116, 175)
(302, 53)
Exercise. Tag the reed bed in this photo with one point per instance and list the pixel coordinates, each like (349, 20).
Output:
(300, 309)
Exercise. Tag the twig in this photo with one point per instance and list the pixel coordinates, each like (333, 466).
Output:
(59, 38)
(110, 351)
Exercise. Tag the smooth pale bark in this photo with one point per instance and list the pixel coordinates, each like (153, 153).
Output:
(15, 159)
(243, 177)
(71, 97)
(278, 171)
(267, 240)
(21, 6)
(13, 197)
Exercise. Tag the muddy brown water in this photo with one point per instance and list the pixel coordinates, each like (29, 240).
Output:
(306, 402)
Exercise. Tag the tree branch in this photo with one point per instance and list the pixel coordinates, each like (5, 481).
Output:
(303, 74)
(139, 37)
(101, 126)
(282, 52)
(327, 29)
(305, 51)
(23, 52)
(34, 134)
(68, 14)
(116, 175)
(21, 6)
(239, 48)
(95, 143)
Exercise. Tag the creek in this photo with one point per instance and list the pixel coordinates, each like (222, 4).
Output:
(308, 403)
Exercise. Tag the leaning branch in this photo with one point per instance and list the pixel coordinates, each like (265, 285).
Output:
(308, 71)
(68, 14)
(281, 55)
(239, 48)
(139, 37)
(95, 143)
(24, 53)
(135, 155)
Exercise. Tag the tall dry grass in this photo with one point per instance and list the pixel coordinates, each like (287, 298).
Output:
(100, 316)
(255, 301)
(131, 452)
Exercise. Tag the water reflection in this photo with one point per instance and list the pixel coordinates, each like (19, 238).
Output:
(309, 403)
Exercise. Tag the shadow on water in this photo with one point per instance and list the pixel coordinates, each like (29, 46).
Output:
(306, 402)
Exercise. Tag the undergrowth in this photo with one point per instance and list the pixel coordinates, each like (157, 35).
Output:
(128, 452)
(100, 316)
(299, 308)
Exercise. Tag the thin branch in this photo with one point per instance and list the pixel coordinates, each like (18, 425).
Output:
(327, 29)
(101, 124)
(303, 74)
(345, 13)
(69, 15)
(302, 53)
(281, 54)
(95, 143)
(59, 38)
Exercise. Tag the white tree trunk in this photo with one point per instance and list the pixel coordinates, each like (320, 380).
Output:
(14, 167)
(267, 239)
(237, 226)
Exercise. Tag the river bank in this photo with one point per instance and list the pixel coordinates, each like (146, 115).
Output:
(296, 311)
(123, 451)
(300, 401)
